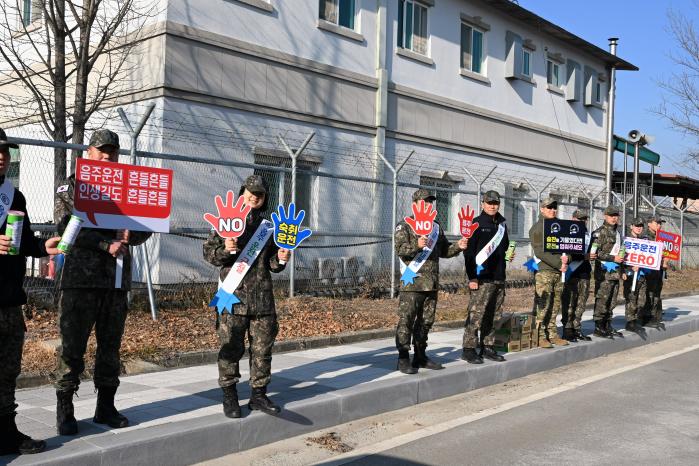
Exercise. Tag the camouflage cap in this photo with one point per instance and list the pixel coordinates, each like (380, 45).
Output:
(423, 194)
(611, 210)
(3, 140)
(656, 218)
(255, 184)
(637, 222)
(549, 202)
(491, 196)
(104, 137)
(581, 214)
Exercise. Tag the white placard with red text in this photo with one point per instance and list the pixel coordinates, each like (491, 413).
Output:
(643, 253)
(122, 197)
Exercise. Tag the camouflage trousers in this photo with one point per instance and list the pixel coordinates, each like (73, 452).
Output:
(606, 292)
(79, 311)
(547, 298)
(573, 301)
(484, 307)
(12, 336)
(416, 313)
(654, 300)
(635, 300)
(261, 332)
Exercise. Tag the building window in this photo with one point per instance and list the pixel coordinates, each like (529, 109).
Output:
(594, 96)
(279, 183)
(526, 62)
(471, 48)
(13, 172)
(445, 199)
(340, 12)
(31, 11)
(514, 210)
(598, 92)
(553, 73)
(412, 26)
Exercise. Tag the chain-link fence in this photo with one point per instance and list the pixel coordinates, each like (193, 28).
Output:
(347, 192)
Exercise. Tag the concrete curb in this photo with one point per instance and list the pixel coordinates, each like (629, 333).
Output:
(197, 358)
(192, 441)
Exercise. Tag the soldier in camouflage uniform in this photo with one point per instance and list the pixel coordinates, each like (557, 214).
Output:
(89, 297)
(634, 300)
(653, 311)
(487, 289)
(548, 284)
(256, 315)
(12, 298)
(418, 301)
(576, 291)
(606, 279)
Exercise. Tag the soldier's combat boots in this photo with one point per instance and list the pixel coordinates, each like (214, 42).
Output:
(490, 353)
(556, 340)
(471, 356)
(404, 364)
(581, 336)
(259, 401)
(231, 407)
(611, 330)
(569, 335)
(106, 412)
(65, 418)
(14, 442)
(420, 359)
(542, 338)
(601, 331)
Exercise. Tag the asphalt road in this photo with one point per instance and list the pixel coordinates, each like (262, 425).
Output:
(649, 415)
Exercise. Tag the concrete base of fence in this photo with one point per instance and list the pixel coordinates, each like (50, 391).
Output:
(176, 415)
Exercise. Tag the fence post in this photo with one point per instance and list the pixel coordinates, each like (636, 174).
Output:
(653, 206)
(682, 211)
(133, 134)
(592, 200)
(479, 183)
(623, 218)
(394, 215)
(294, 156)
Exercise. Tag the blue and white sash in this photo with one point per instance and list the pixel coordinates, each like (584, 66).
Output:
(225, 297)
(410, 272)
(7, 194)
(489, 248)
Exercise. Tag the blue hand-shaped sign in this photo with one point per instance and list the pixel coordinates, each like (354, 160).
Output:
(287, 228)
(531, 265)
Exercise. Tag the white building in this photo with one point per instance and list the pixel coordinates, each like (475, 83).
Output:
(478, 82)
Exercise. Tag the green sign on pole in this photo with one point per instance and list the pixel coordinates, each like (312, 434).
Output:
(645, 154)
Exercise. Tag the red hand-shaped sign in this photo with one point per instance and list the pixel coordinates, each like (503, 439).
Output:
(466, 222)
(230, 222)
(423, 217)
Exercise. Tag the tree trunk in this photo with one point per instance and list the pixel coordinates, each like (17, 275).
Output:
(60, 129)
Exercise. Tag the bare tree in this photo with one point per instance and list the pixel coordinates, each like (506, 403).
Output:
(680, 104)
(65, 59)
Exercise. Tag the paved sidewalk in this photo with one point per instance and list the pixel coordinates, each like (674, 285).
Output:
(176, 415)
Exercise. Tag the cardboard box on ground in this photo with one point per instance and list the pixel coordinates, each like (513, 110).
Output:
(514, 332)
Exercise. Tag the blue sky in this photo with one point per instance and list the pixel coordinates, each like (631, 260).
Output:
(644, 40)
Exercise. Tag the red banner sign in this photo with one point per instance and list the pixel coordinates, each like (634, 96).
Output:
(127, 196)
(672, 243)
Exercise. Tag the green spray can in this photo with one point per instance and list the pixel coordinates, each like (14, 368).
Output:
(510, 251)
(70, 234)
(15, 222)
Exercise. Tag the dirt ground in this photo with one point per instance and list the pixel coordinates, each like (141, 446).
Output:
(192, 328)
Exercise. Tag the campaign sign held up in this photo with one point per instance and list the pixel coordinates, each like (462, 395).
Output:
(564, 236)
(643, 253)
(120, 196)
(672, 244)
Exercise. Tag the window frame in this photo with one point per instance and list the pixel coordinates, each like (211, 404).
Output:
(13, 173)
(322, 13)
(401, 33)
(526, 63)
(435, 185)
(473, 30)
(553, 73)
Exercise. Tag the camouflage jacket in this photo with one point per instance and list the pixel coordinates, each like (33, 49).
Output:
(549, 261)
(605, 237)
(406, 249)
(255, 291)
(89, 264)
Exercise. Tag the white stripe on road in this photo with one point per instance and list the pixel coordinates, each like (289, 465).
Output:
(448, 425)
